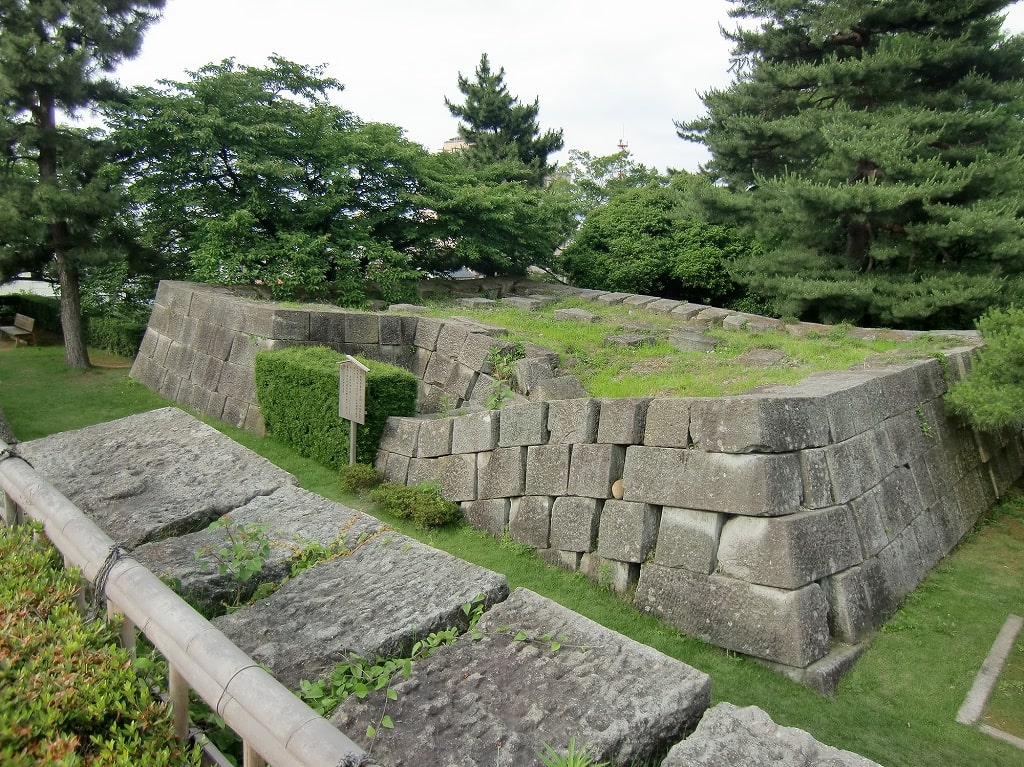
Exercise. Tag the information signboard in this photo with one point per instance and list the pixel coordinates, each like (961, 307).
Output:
(352, 390)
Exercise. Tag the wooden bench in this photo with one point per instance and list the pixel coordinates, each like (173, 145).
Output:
(22, 330)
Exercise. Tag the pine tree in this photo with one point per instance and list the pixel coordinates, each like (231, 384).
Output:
(52, 57)
(500, 129)
(873, 136)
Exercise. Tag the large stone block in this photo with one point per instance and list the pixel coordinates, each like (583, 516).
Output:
(789, 627)
(573, 421)
(853, 466)
(524, 424)
(628, 531)
(530, 520)
(467, 703)
(327, 327)
(751, 485)
(792, 551)
(593, 469)
(475, 432)
(460, 381)
(401, 435)
(689, 539)
(289, 325)
(854, 400)
(621, 577)
(905, 438)
(476, 350)
(668, 423)
(439, 369)
(816, 480)
(435, 438)
(574, 523)
(911, 383)
(394, 467)
(530, 372)
(501, 473)
(855, 601)
(867, 514)
(729, 736)
(451, 339)
(547, 469)
(622, 420)
(456, 474)
(490, 515)
(427, 330)
(758, 423)
(397, 330)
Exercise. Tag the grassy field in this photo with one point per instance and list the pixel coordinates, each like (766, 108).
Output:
(897, 706)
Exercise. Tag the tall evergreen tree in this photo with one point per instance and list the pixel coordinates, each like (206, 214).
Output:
(53, 56)
(498, 127)
(873, 136)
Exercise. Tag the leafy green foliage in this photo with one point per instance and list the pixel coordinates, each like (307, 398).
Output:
(117, 335)
(297, 390)
(241, 555)
(68, 694)
(497, 128)
(866, 138)
(574, 756)
(422, 504)
(358, 477)
(991, 398)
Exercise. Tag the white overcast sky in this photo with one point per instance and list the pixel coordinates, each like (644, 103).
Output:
(602, 70)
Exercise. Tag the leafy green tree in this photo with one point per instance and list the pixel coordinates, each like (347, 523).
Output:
(56, 198)
(871, 139)
(249, 175)
(498, 127)
(991, 398)
(593, 180)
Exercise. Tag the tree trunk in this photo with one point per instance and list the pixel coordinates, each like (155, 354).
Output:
(67, 270)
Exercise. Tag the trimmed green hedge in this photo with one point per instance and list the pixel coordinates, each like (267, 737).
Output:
(117, 335)
(68, 694)
(45, 311)
(297, 388)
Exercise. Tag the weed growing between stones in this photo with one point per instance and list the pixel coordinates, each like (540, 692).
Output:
(926, 428)
(503, 363)
(574, 756)
(512, 546)
(241, 556)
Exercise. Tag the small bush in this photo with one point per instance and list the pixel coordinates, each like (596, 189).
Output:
(358, 477)
(45, 311)
(422, 504)
(117, 335)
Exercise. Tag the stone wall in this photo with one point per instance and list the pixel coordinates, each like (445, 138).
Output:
(785, 524)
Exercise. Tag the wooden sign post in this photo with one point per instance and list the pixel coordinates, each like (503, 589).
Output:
(352, 398)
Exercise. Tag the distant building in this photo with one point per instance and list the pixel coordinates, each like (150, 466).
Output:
(455, 145)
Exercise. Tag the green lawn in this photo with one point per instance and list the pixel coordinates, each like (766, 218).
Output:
(897, 706)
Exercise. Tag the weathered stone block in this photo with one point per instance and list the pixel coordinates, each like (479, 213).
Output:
(524, 424)
(526, 304)
(483, 389)
(427, 330)
(751, 485)
(460, 381)
(206, 372)
(621, 577)
(612, 298)
(435, 438)
(439, 368)
(529, 372)
(628, 531)
(395, 467)
(476, 349)
(573, 421)
(815, 478)
(792, 551)
(911, 383)
(501, 473)
(490, 515)
(853, 466)
(530, 520)
(475, 432)
(639, 300)
(559, 388)
(663, 306)
(688, 311)
(451, 338)
(853, 599)
(574, 523)
(594, 468)
(771, 423)
(290, 325)
(854, 400)
(456, 474)
(622, 420)
(400, 435)
(789, 627)
(689, 539)
(575, 315)
(667, 423)
(547, 469)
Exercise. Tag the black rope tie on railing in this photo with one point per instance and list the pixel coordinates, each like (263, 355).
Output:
(357, 760)
(10, 452)
(118, 551)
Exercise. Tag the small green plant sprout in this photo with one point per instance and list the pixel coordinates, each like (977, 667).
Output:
(926, 428)
(503, 360)
(574, 756)
(241, 555)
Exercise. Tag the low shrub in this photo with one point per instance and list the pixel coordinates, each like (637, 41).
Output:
(422, 504)
(44, 310)
(68, 694)
(358, 477)
(117, 335)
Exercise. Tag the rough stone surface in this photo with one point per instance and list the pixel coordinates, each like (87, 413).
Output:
(401, 435)
(525, 424)
(667, 423)
(435, 438)
(628, 530)
(574, 523)
(6, 432)
(622, 420)
(758, 423)
(575, 315)
(790, 627)
(593, 469)
(378, 600)
(559, 388)
(475, 432)
(729, 736)
(501, 473)
(625, 700)
(689, 538)
(490, 515)
(154, 474)
(573, 421)
(547, 469)
(633, 340)
(456, 474)
(530, 520)
(530, 372)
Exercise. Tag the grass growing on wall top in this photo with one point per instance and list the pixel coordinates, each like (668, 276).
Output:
(897, 706)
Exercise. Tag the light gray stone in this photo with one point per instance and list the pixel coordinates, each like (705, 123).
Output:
(558, 388)
(853, 466)
(460, 381)
(163, 473)
(667, 423)
(573, 421)
(612, 298)
(393, 467)
(547, 469)
(691, 341)
(688, 311)
(729, 736)
(626, 701)
(530, 520)
(622, 420)
(477, 348)
(427, 330)
(663, 306)
(689, 538)
(758, 423)
(451, 339)
(438, 369)
(377, 600)
(628, 531)
(501, 473)
(574, 523)
(575, 315)
(435, 438)
(789, 627)
(401, 435)
(530, 372)
(526, 304)
(475, 432)
(593, 469)
(524, 424)
(456, 474)
(633, 340)
(477, 303)
(792, 551)
(639, 300)
(854, 400)
(490, 515)
(621, 577)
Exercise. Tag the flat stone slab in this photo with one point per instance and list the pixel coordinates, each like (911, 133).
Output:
(497, 700)
(291, 519)
(762, 358)
(629, 339)
(729, 736)
(153, 475)
(377, 600)
(689, 341)
(575, 315)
